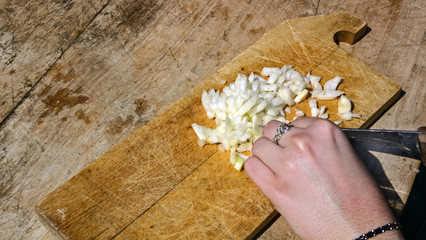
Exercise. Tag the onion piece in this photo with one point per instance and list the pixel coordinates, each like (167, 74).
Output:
(349, 115)
(295, 76)
(281, 79)
(272, 78)
(259, 107)
(272, 111)
(244, 147)
(200, 143)
(333, 83)
(251, 77)
(322, 110)
(344, 108)
(338, 122)
(237, 160)
(300, 113)
(287, 96)
(301, 96)
(344, 104)
(268, 88)
(268, 71)
(326, 94)
(315, 82)
(313, 103)
(324, 116)
(247, 106)
(314, 112)
(276, 102)
(287, 110)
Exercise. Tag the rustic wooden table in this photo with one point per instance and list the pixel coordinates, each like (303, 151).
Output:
(77, 77)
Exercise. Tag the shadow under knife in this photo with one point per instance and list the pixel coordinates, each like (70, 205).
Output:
(375, 167)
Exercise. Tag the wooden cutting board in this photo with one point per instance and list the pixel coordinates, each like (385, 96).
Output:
(158, 183)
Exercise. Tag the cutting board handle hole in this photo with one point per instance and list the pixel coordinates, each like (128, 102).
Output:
(349, 37)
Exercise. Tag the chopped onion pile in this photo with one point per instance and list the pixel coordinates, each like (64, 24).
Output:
(249, 102)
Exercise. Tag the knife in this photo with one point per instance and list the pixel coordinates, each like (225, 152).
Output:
(403, 143)
(397, 142)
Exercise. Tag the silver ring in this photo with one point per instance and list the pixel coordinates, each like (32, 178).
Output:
(281, 129)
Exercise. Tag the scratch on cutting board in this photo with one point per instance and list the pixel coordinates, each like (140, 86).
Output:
(301, 43)
(359, 73)
(269, 59)
(295, 50)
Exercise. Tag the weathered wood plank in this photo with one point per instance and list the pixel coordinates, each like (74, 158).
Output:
(87, 102)
(33, 35)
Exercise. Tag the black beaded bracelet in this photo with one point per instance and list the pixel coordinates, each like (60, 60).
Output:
(381, 229)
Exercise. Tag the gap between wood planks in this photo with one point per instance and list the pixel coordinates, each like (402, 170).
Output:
(27, 94)
(316, 9)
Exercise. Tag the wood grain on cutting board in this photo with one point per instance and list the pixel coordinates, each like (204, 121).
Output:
(158, 183)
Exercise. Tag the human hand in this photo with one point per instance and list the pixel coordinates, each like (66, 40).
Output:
(317, 182)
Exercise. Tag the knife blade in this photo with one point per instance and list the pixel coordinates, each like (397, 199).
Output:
(397, 142)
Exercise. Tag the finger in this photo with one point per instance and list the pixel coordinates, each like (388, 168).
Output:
(305, 122)
(268, 152)
(260, 174)
(270, 130)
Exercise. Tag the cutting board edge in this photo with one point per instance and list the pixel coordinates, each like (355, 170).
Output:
(48, 224)
(382, 110)
(267, 222)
